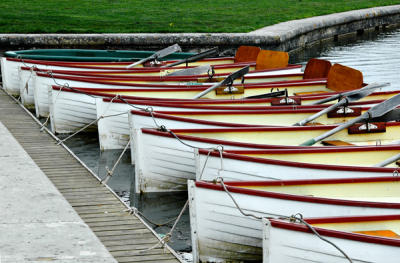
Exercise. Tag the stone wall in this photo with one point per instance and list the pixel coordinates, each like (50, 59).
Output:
(283, 36)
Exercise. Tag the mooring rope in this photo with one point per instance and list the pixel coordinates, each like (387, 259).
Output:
(164, 240)
(110, 173)
(293, 218)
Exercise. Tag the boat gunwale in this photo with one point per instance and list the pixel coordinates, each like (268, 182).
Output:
(232, 187)
(341, 234)
(157, 70)
(156, 132)
(114, 81)
(333, 167)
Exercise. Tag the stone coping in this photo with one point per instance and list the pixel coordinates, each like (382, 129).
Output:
(283, 36)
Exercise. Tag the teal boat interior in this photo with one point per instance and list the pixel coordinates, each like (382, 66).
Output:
(91, 55)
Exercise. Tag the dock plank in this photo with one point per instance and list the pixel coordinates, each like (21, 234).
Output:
(121, 233)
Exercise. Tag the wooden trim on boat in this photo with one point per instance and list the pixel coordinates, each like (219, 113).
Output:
(237, 156)
(215, 141)
(301, 198)
(177, 118)
(339, 234)
(187, 86)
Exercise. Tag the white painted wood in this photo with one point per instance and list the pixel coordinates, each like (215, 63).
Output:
(209, 167)
(26, 87)
(225, 235)
(294, 246)
(164, 163)
(70, 111)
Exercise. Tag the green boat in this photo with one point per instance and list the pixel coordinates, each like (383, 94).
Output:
(91, 55)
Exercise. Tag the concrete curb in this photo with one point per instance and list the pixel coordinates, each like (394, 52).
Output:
(283, 36)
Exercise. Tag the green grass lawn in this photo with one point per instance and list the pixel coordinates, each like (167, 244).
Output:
(150, 16)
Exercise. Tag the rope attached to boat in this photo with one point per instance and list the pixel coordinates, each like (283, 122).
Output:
(110, 173)
(299, 217)
(164, 240)
(293, 218)
(220, 149)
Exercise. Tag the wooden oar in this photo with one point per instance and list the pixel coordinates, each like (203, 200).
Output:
(229, 80)
(374, 112)
(205, 54)
(349, 96)
(159, 54)
(191, 71)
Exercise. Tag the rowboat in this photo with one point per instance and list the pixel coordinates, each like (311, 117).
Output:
(30, 78)
(339, 78)
(221, 233)
(295, 164)
(217, 67)
(114, 129)
(41, 92)
(90, 55)
(244, 55)
(156, 174)
(361, 238)
(13, 60)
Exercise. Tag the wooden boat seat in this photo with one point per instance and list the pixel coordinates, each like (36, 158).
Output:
(246, 53)
(336, 143)
(380, 233)
(342, 78)
(268, 59)
(317, 68)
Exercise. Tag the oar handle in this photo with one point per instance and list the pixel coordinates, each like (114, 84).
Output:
(140, 62)
(204, 92)
(322, 101)
(388, 161)
(326, 110)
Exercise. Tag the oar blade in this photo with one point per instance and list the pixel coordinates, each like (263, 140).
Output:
(384, 107)
(159, 54)
(356, 95)
(191, 71)
(393, 115)
(167, 51)
(237, 74)
(205, 54)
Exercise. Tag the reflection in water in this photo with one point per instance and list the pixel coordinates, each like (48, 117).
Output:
(377, 60)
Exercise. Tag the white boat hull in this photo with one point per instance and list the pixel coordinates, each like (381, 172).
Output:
(209, 167)
(70, 111)
(114, 130)
(220, 233)
(163, 164)
(283, 245)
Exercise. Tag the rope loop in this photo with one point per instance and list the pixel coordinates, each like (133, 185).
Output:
(162, 128)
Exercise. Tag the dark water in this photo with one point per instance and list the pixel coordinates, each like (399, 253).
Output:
(376, 54)
(158, 208)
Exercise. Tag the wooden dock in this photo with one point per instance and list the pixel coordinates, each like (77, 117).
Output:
(125, 236)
